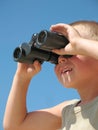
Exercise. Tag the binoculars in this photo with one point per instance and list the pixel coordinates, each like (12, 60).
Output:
(39, 48)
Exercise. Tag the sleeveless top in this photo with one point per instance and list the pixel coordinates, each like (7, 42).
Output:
(84, 117)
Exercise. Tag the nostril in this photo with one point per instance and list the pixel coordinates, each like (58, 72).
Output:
(62, 59)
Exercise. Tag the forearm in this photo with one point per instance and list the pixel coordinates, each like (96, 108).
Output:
(88, 47)
(16, 106)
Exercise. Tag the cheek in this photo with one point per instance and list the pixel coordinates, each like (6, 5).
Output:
(56, 68)
(81, 61)
(84, 65)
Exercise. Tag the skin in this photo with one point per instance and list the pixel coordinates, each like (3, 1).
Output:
(73, 72)
(16, 115)
(76, 44)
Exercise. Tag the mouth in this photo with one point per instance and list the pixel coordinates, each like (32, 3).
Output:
(66, 70)
(66, 75)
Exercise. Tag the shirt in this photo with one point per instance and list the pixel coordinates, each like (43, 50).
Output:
(84, 117)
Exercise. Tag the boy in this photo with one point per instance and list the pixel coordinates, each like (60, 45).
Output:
(79, 72)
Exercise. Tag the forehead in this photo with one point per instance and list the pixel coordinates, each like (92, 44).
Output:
(87, 29)
(84, 31)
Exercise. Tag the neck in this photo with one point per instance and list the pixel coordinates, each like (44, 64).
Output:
(87, 94)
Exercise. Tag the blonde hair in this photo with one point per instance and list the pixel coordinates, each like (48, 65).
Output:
(87, 29)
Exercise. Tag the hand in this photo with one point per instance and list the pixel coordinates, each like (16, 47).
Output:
(71, 34)
(28, 70)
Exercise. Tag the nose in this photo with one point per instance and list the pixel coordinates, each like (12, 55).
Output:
(62, 59)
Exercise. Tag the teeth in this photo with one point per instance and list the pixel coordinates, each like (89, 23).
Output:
(66, 70)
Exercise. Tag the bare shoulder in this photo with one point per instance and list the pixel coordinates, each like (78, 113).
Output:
(45, 119)
(57, 110)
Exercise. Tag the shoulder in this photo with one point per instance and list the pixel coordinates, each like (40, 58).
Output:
(50, 118)
(57, 110)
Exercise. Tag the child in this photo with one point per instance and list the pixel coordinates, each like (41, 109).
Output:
(79, 72)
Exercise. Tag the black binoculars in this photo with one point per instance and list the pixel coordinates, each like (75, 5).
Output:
(39, 48)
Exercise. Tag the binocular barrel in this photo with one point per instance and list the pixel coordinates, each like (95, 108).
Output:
(39, 48)
(50, 40)
(21, 54)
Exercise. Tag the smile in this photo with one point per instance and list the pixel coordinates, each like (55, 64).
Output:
(65, 70)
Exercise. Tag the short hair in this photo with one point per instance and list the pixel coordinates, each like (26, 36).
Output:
(87, 29)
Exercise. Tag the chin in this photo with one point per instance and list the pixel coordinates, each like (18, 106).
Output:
(70, 84)
(67, 85)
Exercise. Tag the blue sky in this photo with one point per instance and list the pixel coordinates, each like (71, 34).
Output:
(19, 19)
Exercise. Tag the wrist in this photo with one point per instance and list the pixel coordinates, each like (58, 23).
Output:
(21, 82)
(22, 76)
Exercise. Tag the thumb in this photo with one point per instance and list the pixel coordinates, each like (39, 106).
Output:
(59, 51)
(68, 49)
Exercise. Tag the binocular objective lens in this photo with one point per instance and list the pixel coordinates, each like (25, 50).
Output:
(41, 37)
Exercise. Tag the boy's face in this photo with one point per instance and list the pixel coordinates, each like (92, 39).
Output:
(77, 71)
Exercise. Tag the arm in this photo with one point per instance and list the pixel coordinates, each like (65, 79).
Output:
(16, 106)
(77, 45)
(16, 116)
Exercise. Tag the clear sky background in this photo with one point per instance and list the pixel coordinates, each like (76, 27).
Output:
(19, 19)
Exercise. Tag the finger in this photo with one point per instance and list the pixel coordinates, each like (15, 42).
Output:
(37, 65)
(68, 49)
(59, 51)
(61, 28)
(59, 25)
